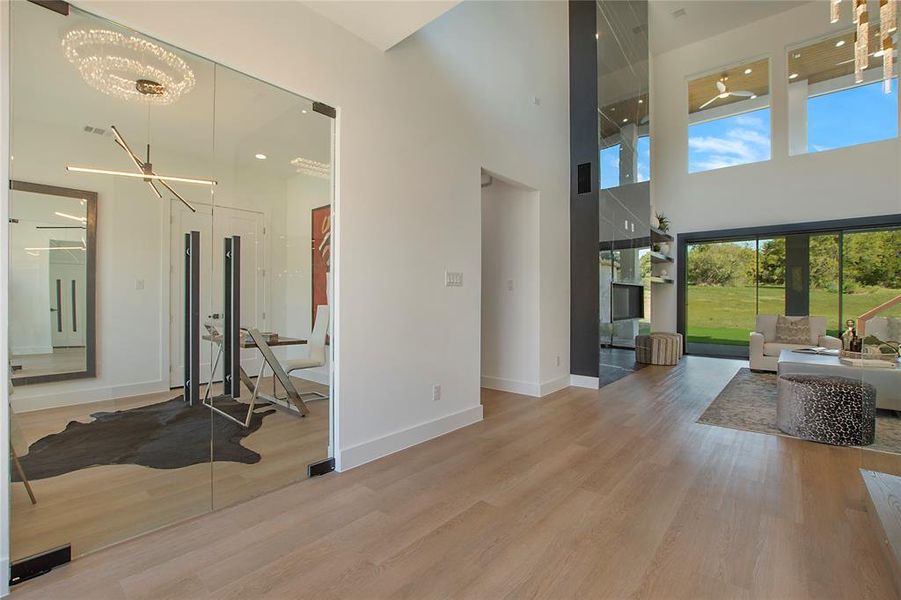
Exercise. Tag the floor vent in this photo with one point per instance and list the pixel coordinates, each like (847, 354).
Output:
(39, 564)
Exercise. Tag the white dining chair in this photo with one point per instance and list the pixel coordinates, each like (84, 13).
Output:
(316, 349)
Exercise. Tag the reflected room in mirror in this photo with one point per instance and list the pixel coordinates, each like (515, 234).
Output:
(51, 283)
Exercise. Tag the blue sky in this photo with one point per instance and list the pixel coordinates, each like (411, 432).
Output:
(853, 116)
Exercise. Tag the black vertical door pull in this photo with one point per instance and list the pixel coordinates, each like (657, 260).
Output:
(192, 317)
(231, 338)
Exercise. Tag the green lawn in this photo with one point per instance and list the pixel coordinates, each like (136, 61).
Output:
(726, 315)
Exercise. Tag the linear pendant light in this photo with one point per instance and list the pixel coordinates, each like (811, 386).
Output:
(139, 175)
(146, 172)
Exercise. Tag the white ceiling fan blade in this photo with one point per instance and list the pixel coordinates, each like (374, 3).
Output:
(708, 103)
(743, 93)
(644, 120)
(721, 86)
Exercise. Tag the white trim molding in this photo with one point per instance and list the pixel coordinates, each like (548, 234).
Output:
(555, 385)
(583, 381)
(405, 438)
(515, 386)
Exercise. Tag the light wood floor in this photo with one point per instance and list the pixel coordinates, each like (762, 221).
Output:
(93, 508)
(615, 493)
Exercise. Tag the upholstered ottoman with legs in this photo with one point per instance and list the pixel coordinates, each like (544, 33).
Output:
(829, 409)
(658, 348)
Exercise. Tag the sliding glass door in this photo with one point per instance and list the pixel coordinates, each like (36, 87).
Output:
(839, 275)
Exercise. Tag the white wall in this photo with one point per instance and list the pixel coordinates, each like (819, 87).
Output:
(415, 126)
(849, 182)
(510, 286)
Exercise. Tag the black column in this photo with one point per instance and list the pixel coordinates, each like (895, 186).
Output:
(584, 182)
(797, 275)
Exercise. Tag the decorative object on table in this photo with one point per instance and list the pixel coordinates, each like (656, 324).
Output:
(658, 348)
(834, 410)
(872, 344)
(662, 222)
(849, 333)
(664, 248)
(663, 272)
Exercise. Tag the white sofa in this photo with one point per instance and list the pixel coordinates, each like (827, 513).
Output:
(764, 350)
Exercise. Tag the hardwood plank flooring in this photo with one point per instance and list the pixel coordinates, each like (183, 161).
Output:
(96, 507)
(611, 493)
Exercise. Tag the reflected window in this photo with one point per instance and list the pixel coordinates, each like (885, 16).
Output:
(729, 117)
(625, 143)
(831, 108)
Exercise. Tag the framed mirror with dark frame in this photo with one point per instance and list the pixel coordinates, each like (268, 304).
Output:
(52, 283)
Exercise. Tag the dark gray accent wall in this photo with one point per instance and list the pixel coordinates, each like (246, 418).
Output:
(583, 103)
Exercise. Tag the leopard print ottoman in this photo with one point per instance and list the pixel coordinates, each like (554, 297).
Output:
(829, 409)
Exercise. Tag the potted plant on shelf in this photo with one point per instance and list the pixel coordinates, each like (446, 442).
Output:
(662, 222)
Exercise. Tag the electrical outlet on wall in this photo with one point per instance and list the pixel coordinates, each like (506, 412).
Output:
(436, 393)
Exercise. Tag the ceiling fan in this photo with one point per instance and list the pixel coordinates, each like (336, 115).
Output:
(723, 93)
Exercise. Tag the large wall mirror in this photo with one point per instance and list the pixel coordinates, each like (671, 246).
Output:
(52, 275)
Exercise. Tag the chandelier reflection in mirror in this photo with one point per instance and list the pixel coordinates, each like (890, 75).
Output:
(128, 67)
(314, 168)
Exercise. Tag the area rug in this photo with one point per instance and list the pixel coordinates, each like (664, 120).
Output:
(748, 402)
(166, 435)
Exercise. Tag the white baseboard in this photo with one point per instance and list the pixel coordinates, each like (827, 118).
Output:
(25, 350)
(584, 381)
(399, 440)
(23, 401)
(555, 385)
(514, 386)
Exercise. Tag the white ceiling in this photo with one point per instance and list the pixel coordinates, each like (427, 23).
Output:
(232, 114)
(382, 23)
(705, 18)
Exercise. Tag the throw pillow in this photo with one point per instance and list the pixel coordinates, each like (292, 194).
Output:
(793, 331)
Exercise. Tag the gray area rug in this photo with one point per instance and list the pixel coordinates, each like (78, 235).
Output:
(748, 402)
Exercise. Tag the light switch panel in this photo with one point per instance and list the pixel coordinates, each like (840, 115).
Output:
(453, 279)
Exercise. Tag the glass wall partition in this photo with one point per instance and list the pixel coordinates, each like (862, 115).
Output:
(169, 283)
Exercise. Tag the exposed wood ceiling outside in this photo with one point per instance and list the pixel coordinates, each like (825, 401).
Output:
(614, 116)
(735, 78)
(823, 60)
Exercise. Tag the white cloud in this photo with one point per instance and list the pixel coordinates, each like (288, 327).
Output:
(737, 146)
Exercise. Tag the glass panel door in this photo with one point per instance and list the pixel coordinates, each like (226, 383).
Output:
(107, 449)
(272, 256)
(721, 296)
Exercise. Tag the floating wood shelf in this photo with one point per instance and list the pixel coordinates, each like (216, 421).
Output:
(656, 279)
(659, 236)
(659, 257)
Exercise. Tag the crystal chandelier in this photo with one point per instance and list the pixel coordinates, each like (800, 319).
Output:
(128, 67)
(312, 167)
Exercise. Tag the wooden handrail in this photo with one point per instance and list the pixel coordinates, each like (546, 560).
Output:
(862, 319)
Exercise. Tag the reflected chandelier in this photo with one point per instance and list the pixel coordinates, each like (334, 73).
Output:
(312, 167)
(128, 67)
(887, 27)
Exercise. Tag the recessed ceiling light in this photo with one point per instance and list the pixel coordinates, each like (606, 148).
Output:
(793, 76)
(597, 36)
(640, 101)
(260, 156)
(747, 71)
(303, 110)
(797, 55)
(625, 120)
(753, 96)
(839, 43)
